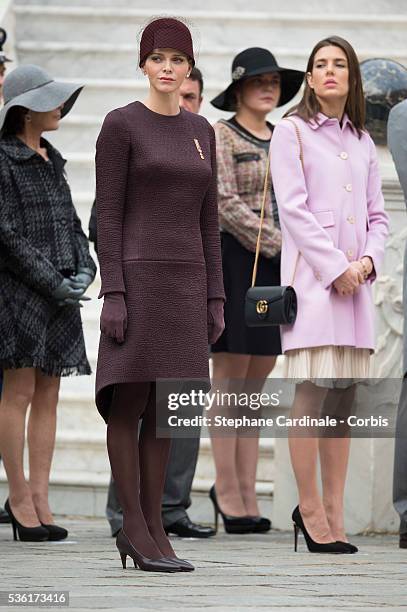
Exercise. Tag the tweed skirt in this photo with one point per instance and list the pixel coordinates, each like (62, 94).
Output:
(328, 366)
(37, 333)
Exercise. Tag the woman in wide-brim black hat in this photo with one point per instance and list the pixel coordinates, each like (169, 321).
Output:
(254, 62)
(243, 354)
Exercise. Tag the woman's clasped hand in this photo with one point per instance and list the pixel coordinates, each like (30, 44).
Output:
(70, 293)
(357, 273)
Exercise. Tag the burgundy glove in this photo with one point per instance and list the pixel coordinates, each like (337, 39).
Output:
(113, 320)
(216, 323)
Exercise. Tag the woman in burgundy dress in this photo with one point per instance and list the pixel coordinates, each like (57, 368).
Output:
(160, 266)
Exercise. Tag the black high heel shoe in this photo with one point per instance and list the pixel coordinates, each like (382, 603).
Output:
(330, 547)
(261, 524)
(352, 548)
(232, 524)
(26, 534)
(126, 548)
(55, 533)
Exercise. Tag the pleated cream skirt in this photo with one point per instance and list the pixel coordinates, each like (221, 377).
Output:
(328, 366)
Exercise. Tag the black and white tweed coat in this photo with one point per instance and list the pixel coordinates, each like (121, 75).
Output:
(41, 241)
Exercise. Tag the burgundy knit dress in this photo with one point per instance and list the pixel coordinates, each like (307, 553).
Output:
(158, 241)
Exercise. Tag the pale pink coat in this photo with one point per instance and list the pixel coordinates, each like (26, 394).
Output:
(333, 212)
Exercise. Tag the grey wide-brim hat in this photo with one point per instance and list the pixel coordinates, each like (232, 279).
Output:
(33, 88)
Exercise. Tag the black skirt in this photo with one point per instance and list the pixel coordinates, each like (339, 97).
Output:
(237, 264)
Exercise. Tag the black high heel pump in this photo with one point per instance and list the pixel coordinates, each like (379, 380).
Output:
(126, 548)
(352, 547)
(261, 524)
(232, 524)
(26, 534)
(330, 547)
(55, 533)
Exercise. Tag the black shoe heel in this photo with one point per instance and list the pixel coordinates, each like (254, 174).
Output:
(26, 534)
(232, 524)
(295, 537)
(14, 530)
(216, 511)
(316, 547)
(123, 557)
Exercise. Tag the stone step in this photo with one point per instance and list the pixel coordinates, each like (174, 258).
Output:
(80, 169)
(80, 132)
(93, 60)
(88, 446)
(98, 60)
(100, 96)
(72, 494)
(77, 411)
(221, 28)
(83, 201)
(310, 7)
(81, 472)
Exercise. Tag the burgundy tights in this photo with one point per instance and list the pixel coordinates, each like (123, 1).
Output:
(139, 463)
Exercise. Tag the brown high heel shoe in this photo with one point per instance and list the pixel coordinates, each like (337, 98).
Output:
(126, 548)
(184, 565)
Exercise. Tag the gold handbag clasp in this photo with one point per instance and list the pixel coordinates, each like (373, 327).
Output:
(262, 307)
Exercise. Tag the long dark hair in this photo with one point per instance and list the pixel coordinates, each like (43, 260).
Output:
(14, 121)
(309, 107)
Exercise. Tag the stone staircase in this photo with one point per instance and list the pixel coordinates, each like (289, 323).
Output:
(94, 42)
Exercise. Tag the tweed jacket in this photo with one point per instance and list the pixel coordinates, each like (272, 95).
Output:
(397, 141)
(241, 172)
(40, 232)
(332, 212)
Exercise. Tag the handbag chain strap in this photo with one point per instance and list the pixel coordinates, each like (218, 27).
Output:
(266, 178)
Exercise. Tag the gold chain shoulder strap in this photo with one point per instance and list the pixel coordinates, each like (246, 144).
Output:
(256, 259)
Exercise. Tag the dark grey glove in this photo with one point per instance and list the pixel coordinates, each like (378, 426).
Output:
(68, 293)
(83, 278)
(74, 301)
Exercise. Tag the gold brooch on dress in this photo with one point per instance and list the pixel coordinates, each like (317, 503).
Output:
(199, 148)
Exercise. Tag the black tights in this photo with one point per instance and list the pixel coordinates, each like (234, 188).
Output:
(139, 464)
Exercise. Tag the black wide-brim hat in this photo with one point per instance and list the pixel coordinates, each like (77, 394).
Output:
(3, 38)
(252, 62)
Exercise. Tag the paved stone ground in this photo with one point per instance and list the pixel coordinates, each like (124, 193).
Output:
(233, 573)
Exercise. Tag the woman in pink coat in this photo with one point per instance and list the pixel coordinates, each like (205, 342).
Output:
(334, 228)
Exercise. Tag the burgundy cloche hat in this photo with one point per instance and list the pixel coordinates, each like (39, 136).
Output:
(166, 33)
